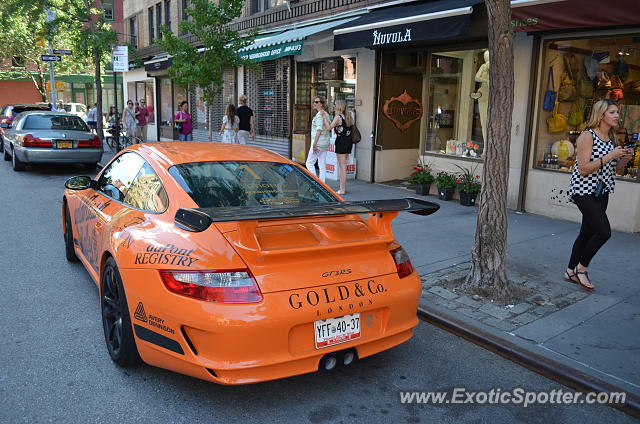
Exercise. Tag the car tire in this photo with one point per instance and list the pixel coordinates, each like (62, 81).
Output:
(68, 237)
(18, 165)
(1, 145)
(116, 322)
(7, 155)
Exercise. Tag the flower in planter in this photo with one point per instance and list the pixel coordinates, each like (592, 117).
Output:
(421, 174)
(467, 182)
(445, 180)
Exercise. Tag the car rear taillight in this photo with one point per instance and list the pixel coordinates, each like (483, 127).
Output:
(230, 286)
(93, 143)
(30, 141)
(403, 263)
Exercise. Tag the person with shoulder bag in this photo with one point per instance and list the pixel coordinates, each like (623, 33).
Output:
(319, 139)
(343, 126)
(592, 180)
(183, 122)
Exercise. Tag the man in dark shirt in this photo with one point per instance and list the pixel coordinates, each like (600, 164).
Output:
(247, 121)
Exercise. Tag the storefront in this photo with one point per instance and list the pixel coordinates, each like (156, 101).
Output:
(139, 86)
(581, 66)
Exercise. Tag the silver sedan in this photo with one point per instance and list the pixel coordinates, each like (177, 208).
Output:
(50, 137)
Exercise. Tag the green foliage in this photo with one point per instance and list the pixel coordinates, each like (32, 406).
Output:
(468, 181)
(445, 180)
(218, 45)
(421, 174)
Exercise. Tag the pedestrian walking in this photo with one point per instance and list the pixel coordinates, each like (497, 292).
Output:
(247, 124)
(92, 120)
(129, 120)
(319, 139)
(185, 128)
(592, 180)
(230, 124)
(142, 117)
(342, 124)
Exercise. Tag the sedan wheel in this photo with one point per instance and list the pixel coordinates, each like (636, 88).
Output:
(68, 237)
(18, 165)
(116, 322)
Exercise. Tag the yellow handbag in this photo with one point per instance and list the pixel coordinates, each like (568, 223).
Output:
(557, 122)
(575, 114)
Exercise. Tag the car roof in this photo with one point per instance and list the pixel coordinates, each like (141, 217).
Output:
(172, 153)
(46, 112)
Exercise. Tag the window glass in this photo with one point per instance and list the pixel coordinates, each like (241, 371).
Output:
(230, 183)
(582, 71)
(54, 122)
(458, 98)
(146, 191)
(117, 178)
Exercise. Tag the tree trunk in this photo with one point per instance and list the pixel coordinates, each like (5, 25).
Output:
(210, 119)
(489, 254)
(98, 82)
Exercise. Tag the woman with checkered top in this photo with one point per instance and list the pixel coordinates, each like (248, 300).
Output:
(597, 159)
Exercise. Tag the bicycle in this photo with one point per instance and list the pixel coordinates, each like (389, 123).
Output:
(119, 143)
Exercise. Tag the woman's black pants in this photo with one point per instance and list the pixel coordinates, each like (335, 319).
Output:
(595, 230)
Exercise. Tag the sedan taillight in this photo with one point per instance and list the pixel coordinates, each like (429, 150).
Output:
(93, 143)
(230, 286)
(30, 141)
(403, 263)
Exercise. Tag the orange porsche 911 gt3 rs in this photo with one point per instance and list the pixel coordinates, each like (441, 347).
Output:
(232, 264)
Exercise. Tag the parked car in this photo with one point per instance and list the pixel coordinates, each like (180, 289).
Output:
(235, 265)
(50, 137)
(10, 111)
(77, 109)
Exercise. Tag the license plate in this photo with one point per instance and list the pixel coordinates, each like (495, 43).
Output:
(65, 144)
(332, 331)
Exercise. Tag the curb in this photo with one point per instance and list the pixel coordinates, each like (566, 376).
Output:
(547, 367)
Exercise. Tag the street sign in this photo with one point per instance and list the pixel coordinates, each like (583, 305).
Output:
(62, 52)
(50, 58)
(120, 59)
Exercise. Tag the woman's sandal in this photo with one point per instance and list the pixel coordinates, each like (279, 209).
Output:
(572, 278)
(583, 285)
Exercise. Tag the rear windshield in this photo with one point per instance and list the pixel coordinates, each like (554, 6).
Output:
(54, 122)
(231, 183)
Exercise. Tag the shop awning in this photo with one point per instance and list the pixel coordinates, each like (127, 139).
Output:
(397, 25)
(548, 16)
(288, 43)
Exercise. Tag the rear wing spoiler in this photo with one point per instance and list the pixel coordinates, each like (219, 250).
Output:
(197, 220)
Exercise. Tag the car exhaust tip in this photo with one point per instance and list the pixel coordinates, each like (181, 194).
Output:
(329, 362)
(349, 357)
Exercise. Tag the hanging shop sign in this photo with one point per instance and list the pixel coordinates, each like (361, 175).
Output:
(403, 111)
(274, 52)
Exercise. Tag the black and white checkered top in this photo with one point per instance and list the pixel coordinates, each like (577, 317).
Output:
(580, 185)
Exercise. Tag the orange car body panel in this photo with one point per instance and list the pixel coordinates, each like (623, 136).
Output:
(308, 269)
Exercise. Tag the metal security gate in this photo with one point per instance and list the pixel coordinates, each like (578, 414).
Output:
(199, 113)
(268, 95)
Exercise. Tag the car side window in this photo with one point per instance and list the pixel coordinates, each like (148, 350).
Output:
(117, 178)
(147, 192)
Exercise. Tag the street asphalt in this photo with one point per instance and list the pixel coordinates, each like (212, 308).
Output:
(55, 367)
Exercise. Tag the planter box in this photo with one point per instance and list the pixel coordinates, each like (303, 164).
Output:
(468, 199)
(423, 189)
(445, 193)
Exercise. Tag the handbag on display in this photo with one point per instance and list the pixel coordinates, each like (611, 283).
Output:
(585, 88)
(567, 91)
(604, 81)
(575, 115)
(616, 94)
(550, 96)
(621, 69)
(557, 122)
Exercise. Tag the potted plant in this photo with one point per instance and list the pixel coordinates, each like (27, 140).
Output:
(446, 183)
(468, 186)
(422, 178)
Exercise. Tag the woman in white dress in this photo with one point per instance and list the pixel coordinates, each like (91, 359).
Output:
(129, 119)
(230, 124)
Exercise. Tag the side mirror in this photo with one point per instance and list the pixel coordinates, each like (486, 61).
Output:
(81, 182)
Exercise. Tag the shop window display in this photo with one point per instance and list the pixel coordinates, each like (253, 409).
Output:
(458, 95)
(575, 74)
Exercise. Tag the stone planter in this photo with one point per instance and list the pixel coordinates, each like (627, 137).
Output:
(423, 189)
(445, 193)
(468, 199)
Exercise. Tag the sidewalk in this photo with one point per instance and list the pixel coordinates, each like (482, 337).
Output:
(586, 340)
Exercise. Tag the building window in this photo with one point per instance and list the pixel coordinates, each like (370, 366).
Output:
(151, 27)
(167, 13)
(582, 71)
(133, 32)
(457, 101)
(159, 19)
(107, 10)
(185, 6)
(262, 5)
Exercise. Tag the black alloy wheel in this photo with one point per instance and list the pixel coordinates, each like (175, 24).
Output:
(116, 322)
(68, 237)
(17, 163)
